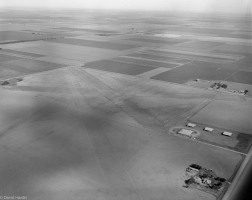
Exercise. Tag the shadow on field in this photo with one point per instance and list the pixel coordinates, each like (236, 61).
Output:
(54, 140)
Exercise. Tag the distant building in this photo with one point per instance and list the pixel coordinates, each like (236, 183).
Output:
(193, 169)
(186, 132)
(191, 125)
(208, 129)
(227, 133)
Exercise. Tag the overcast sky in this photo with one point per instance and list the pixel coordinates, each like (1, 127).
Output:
(233, 6)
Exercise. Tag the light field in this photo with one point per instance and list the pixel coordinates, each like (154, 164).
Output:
(71, 52)
(96, 44)
(21, 53)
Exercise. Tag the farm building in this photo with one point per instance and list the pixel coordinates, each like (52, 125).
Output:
(186, 132)
(191, 125)
(227, 133)
(208, 129)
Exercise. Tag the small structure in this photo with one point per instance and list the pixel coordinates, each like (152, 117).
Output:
(186, 132)
(207, 181)
(208, 129)
(227, 133)
(191, 125)
(194, 167)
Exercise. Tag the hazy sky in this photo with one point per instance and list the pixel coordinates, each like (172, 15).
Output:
(234, 6)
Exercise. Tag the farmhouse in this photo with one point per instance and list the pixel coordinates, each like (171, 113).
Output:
(186, 132)
(227, 133)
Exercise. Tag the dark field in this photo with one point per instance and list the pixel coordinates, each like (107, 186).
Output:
(193, 30)
(84, 29)
(162, 58)
(145, 62)
(119, 67)
(242, 64)
(4, 58)
(194, 70)
(21, 36)
(236, 48)
(243, 36)
(241, 77)
(157, 41)
(96, 44)
(28, 66)
(244, 142)
(17, 35)
(199, 45)
(193, 56)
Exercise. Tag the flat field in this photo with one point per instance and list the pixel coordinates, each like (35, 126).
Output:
(157, 41)
(229, 115)
(161, 58)
(17, 35)
(241, 77)
(144, 62)
(199, 45)
(27, 66)
(237, 48)
(72, 52)
(119, 67)
(240, 142)
(171, 51)
(194, 70)
(96, 44)
(21, 53)
(57, 150)
(90, 119)
(4, 58)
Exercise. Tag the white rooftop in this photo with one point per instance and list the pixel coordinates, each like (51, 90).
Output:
(185, 132)
(208, 129)
(227, 133)
(191, 125)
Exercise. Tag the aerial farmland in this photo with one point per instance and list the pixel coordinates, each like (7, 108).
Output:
(92, 104)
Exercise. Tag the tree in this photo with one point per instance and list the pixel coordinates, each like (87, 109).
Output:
(224, 86)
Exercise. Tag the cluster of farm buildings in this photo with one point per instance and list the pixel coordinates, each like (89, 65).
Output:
(203, 178)
(189, 132)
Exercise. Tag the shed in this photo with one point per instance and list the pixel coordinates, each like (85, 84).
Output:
(191, 125)
(208, 129)
(227, 133)
(193, 169)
